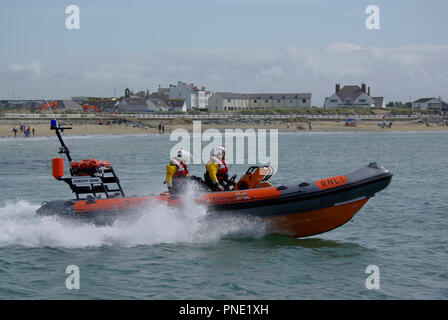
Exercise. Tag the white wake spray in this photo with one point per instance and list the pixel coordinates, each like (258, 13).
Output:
(156, 223)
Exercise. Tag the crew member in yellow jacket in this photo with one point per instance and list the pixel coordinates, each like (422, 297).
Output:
(216, 170)
(177, 171)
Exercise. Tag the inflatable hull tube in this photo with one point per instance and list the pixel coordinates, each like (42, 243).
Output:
(296, 210)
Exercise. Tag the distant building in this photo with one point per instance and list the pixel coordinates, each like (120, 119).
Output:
(161, 96)
(164, 91)
(109, 107)
(433, 104)
(194, 97)
(68, 104)
(142, 94)
(229, 101)
(145, 102)
(20, 104)
(104, 104)
(156, 104)
(177, 105)
(92, 100)
(133, 104)
(353, 97)
(64, 104)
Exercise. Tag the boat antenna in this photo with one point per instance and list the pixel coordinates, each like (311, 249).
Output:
(54, 126)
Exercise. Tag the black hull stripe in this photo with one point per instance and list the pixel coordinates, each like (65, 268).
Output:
(298, 197)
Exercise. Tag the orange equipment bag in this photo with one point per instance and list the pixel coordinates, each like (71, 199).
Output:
(90, 163)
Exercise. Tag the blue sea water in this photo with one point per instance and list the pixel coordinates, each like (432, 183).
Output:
(178, 254)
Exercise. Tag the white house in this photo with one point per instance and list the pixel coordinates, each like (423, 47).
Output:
(156, 104)
(353, 97)
(432, 104)
(177, 105)
(229, 101)
(194, 97)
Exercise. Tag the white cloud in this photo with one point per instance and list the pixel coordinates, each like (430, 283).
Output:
(22, 70)
(33, 66)
(396, 73)
(339, 47)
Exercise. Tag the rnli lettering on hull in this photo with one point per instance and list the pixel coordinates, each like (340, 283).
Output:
(242, 196)
(232, 196)
(332, 182)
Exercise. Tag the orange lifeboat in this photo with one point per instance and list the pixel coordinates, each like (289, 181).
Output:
(299, 209)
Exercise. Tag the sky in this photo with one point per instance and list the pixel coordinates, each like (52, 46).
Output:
(246, 46)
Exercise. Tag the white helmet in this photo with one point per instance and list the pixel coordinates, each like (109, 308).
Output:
(183, 156)
(220, 153)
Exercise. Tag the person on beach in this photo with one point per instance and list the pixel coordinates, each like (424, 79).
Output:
(177, 171)
(34, 131)
(216, 170)
(14, 129)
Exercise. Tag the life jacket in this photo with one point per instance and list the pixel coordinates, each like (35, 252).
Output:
(222, 171)
(182, 168)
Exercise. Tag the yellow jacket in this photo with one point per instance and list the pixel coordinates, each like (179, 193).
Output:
(211, 170)
(171, 170)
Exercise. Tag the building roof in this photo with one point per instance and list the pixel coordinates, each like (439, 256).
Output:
(232, 95)
(141, 94)
(158, 102)
(191, 87)
(105, 105)
(160, 96)
(280, 95)
(423, 100)
(176, 103)
(91, 99)
(70, 105)
(135, 101)
(349, 92)
(353, 92)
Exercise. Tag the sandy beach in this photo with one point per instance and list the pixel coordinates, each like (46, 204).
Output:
(145, 127)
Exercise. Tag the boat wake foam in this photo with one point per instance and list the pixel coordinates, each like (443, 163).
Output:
(154, 224)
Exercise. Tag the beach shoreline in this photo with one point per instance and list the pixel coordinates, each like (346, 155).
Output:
(83, 128)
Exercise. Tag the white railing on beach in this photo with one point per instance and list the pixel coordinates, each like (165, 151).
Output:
(206, 116)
